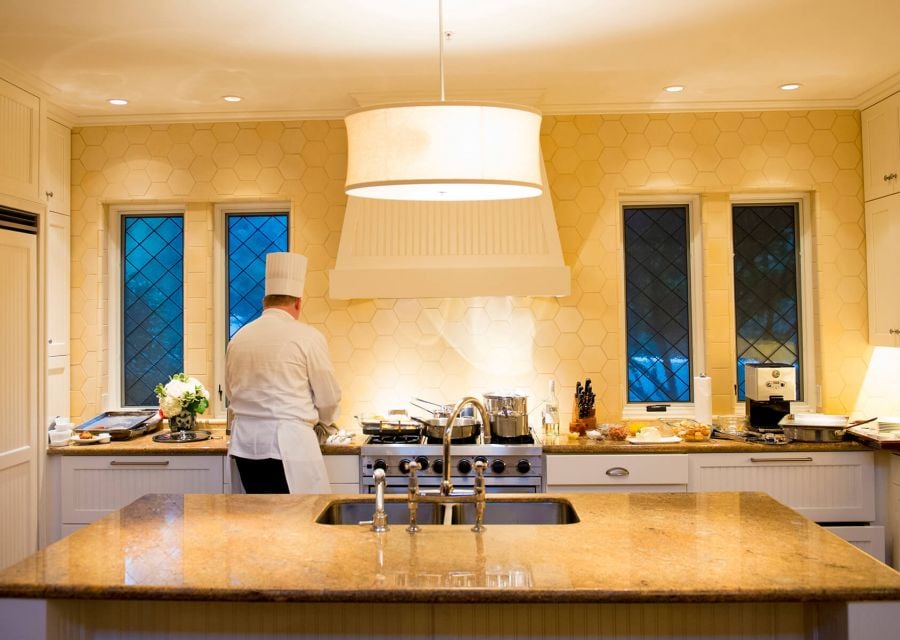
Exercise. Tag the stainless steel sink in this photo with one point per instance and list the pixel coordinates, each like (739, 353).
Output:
(347, 512)
(499, 511)
(547, 511)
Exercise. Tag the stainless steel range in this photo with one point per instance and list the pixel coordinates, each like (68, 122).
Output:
(511, 468)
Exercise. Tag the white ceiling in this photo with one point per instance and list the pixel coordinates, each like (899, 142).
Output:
(175, 59)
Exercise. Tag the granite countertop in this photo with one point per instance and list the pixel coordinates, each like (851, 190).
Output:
(688, 547)
(565, 445)
(216, 445)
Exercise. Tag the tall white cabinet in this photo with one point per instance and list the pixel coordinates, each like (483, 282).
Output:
(881, 148)
(881, 173)
(56, 177)
(20, 122)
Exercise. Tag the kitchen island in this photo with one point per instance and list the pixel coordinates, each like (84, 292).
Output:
(725, 564)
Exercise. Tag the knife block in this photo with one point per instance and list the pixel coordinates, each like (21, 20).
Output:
(581, 425)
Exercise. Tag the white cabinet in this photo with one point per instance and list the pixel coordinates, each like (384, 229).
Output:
(868, 538)
(823, 486)
(881, 148)
(613, 473)
(883, 264)
(894, 508)
(56, 168)
(57, 307)
(57, 397)
(92, 486)
(19, 142)
(343, 473)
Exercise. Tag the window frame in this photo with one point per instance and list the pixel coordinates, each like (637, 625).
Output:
(112, 399)
(805, 282)
(220, 286)
(638, 410)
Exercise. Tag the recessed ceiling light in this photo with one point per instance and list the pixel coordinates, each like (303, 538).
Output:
(117, 101)
(675, 88)
(231, 98)
(791, 86)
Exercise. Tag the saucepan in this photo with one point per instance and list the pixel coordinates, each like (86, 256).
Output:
(463, 428)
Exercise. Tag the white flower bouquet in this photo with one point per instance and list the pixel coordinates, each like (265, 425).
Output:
(182, 394)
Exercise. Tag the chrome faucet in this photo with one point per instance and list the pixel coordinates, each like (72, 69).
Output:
(380, 519)
(446, 484)
(447, 496)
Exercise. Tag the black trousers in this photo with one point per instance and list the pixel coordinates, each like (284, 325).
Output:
(262, 476)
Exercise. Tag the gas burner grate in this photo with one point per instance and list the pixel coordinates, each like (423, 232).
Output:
(409, 438)
(470, 440)
(526, 439)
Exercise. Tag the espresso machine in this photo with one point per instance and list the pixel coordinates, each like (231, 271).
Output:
(769, 389)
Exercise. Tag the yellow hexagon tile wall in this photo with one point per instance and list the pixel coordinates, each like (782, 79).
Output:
(386, 351)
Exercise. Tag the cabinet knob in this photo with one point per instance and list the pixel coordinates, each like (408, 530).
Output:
(49, 194)
(894, 332)
(890, 176)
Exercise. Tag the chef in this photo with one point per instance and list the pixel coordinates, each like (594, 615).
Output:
(280, 382)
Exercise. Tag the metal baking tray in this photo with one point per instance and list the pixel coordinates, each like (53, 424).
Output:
(123, 425)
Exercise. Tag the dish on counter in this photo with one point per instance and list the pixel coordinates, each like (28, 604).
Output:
(662, 440)
(94, 439)
(594, 434)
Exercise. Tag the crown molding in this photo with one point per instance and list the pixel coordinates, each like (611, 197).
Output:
(527, 97)
(210, 116)
(694, 107)
(27, 81)
(879, 92)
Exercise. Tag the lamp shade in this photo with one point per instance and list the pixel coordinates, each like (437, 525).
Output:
(444, 151)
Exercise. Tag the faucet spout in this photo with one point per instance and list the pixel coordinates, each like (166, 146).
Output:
(380, 519)
(446, 483)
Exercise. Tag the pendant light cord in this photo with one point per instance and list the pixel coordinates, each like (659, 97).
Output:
(441, 43)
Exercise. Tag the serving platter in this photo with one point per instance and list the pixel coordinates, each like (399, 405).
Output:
(663, 440)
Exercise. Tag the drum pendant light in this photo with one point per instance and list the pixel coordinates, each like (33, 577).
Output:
(444, 151)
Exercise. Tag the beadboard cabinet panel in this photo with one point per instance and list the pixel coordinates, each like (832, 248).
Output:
(20, 134)
(93, 486)
(823, 486)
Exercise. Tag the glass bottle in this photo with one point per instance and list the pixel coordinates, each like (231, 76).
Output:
(550, 415)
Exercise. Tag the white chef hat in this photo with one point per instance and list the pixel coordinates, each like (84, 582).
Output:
(285, 274)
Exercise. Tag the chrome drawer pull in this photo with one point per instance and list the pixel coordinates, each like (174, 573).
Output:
(154, 463)
(807, 459)
(617, 472)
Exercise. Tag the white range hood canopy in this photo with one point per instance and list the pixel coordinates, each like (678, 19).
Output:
(410, 249)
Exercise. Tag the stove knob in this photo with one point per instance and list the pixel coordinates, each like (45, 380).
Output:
(498, 466)
(423, 463)
(438, 466)
(523, 466)
(464, 466)
(380, 464)
(404, 466)
(481, 459)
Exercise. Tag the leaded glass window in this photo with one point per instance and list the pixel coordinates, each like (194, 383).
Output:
(766, 293)
(250, 237)
(657, 301)
(152, 304)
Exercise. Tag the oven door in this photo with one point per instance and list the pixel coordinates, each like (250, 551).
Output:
(400, 484)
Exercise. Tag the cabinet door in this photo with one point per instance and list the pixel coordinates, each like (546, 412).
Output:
(881, 148)
(825, 487)
(632, 472)
(882, 241)
(19, 133)
(58, 239)
(343, 473)
(57, 387)
(57, 166)
(93, 486)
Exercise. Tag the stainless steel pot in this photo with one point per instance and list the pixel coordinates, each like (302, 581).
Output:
(508, 412)
(462, 428)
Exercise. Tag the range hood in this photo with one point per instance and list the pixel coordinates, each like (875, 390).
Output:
(403, 249)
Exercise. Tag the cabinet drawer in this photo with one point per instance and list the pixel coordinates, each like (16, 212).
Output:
(613, 470)
(823, 486)
(867, 538)
(342, 469)
(96, 485)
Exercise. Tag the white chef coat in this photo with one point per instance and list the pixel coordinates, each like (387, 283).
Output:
(278, 376)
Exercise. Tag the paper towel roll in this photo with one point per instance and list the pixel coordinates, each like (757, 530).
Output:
(703, 399)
